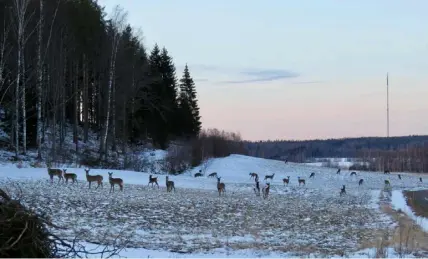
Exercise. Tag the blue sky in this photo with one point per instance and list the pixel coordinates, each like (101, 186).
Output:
(296, 69)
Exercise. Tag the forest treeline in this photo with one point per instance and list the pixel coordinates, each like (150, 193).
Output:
(300, 151)
(66, 65)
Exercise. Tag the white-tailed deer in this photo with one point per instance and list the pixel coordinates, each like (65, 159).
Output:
(221, 187)
(312, 175)
(301, 181)
(420, 179)
(169, 185)
(94, 178)
(387, 182)
(55, 172)
(265, 191)
(153, 180)
(338, 171)
(114, 181)
(269, 176)
(286, 180)
(71, 176)
(360, 182)
(399, 176)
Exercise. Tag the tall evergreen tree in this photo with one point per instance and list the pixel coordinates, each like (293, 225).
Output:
(188, 105)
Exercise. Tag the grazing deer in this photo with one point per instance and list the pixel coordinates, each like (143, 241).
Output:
(301, 181)
(399, 176)
(387, 183)
(55, 172)
(342, 191)
(257, 188)
(253, 175)
(169, 184)
(353, 173)
(386, 172)
(338, 171)
(286, 180)
(213, 174)
(199, 174)
(360, 182)
(221, 187)
(269, 176)
(114, 181)
(265, 190)
(153, 180)
(312, 175)
(420, 179)
(71, 176)
(286, 161)
(94, 178)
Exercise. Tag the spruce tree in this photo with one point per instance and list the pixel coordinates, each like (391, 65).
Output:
(189, 109)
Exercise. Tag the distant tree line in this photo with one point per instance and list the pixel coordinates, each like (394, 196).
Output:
(300, 151)
(64, 66)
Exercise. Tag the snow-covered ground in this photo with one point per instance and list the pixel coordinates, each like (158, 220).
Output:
(294, 221)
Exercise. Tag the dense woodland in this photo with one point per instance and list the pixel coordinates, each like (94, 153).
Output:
(65, 65)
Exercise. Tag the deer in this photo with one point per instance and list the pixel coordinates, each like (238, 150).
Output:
(399, 176)
(420, 179)
(312, 175)
(153, 180)
(386, 172)
(269, 176)
(360, 182)
(55, 172)
(265, 191)
(213, 174)
(94, 178)
(169, 184)
(199, 174)
(114, 181)
(286, 180)
(253, 175)
(338, 171)
(342, 190)
(221, 187)
(71, 176)
(387, 183)
(301, 181)
(353, 173)
(257, 188)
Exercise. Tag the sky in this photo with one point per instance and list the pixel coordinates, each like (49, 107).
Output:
(283, 69)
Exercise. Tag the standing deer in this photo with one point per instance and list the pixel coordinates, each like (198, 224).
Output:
(169, 184)
(94, 178)
(71, 176)
(312, 175)
(265, 190)
(114, 181)
(253, 175)
(269, 176)
(420, 179)
(153, 180)
(338, 171)
(257, 188)
(399, 176)
(301, 181)
(221, 187)
(213, 174)
(55, 172)
(342, 191)
(286, 180)
(360, 182)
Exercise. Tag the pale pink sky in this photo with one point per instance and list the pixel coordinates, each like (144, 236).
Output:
(297, 69)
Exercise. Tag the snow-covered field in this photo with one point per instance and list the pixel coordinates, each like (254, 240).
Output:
(294, 221)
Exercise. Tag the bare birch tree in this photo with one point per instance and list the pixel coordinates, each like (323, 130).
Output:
(118, 22)
(39, 82)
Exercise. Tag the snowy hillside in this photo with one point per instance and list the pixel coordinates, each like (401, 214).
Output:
(295, 220)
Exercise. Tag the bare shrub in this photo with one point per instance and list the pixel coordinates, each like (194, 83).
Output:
(178, 159)
(136, 162)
